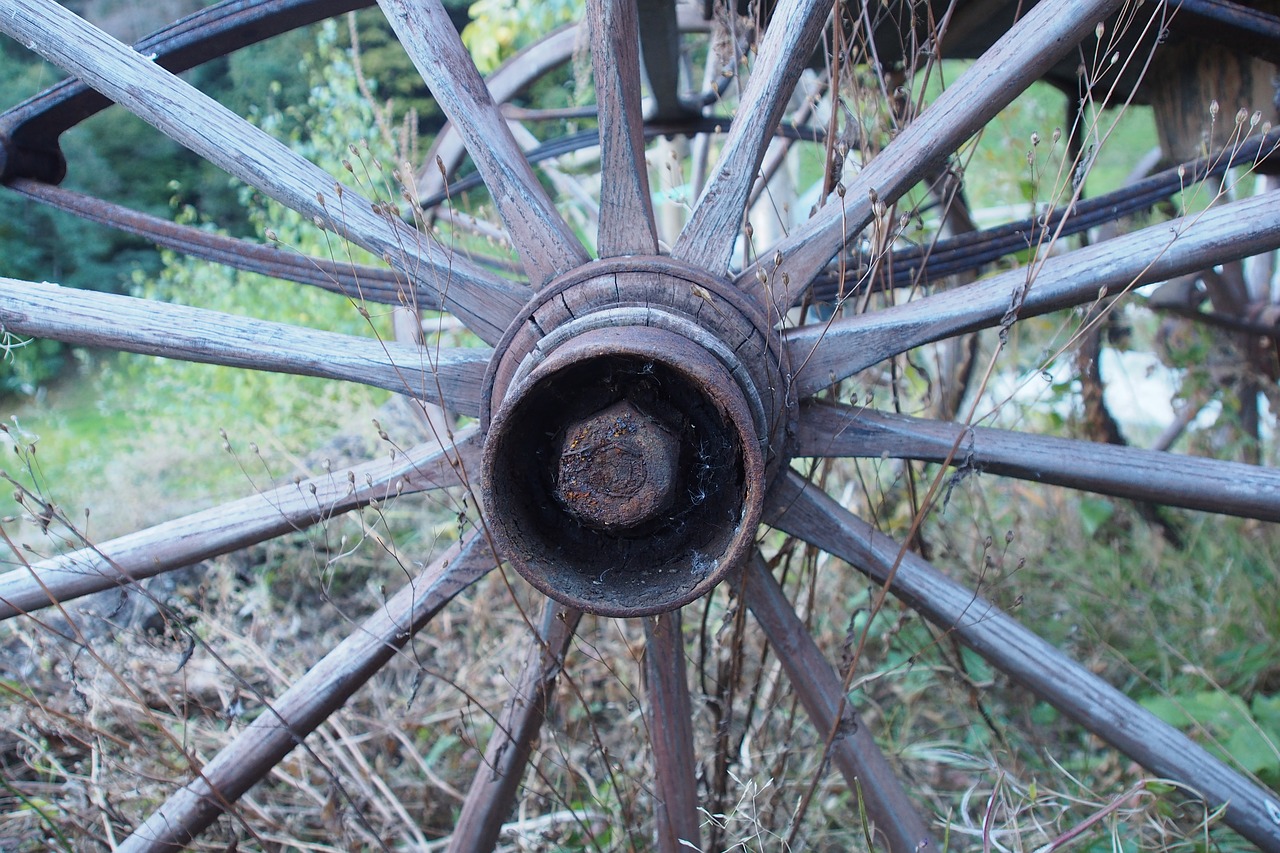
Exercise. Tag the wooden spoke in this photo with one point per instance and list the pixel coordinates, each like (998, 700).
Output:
(358, 282)
(825, 353)
(626, 211)
(229, 527)
(449, 148)
(287, 721)
(1023, 54)
(545, 243)
(709, 236)
(486, 304)
(1231, 488)
(852, 748)
(534, 61)
(496, 783)
(448, 377)
(801, 509)
(670, 717)
(779, 151)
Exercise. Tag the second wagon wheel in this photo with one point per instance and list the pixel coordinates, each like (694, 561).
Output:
(641, 414)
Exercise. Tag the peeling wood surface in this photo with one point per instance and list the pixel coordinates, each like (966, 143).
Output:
(446, 377)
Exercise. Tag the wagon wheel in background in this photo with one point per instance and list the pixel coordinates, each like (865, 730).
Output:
(1238, 304)
(639, 413)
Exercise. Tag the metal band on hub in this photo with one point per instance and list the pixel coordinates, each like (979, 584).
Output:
(638, 414)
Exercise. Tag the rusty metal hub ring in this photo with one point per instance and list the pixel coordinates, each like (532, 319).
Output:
(623, 475)
(682, 298)
(635, 413)
(636, 316)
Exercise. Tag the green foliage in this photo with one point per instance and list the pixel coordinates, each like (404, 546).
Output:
(29, 363)
(1243, 733)
(1094, 513)
(499, 28)
(139, 404)
(243, 402)
(391, 75)
(266, 78)
(329, 127)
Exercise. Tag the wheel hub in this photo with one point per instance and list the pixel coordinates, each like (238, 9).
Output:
(635, 413)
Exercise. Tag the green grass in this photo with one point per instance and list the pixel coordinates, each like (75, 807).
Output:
(133, 440)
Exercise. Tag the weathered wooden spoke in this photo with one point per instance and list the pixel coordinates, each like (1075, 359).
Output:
(286, 721)
(542, 238)
(446, 377)
(1210, 485)
(710, 235)
(638, 414)
(439, 181)
(450, 148)
(480, 300)
(801, 509)
(1048, 30)
(852, 747)
(670, 720)
(497, 781)
(827, 353)
(222, 529)
(357, 282)
(626, 212)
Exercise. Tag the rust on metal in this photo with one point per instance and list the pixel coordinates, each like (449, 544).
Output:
(636, 411)
(617, 468)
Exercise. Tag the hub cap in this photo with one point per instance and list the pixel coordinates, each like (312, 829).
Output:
(636, 412)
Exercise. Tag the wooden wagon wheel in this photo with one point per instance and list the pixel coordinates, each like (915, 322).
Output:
(638, 412)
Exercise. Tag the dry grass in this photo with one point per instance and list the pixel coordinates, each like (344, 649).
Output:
(112, 702)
